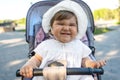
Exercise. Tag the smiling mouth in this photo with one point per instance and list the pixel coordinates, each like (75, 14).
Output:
(65, 34)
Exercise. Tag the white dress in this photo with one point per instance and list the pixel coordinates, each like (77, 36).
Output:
(72, 52)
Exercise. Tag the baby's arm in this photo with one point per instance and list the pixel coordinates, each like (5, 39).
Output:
(87, 62)
(33, 62)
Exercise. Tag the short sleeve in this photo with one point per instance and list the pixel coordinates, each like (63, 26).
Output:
(41, 49)
(86, 50)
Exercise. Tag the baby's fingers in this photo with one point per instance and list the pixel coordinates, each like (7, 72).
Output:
(22, 71)
(26, 72)
(29, 72)
(101, 63)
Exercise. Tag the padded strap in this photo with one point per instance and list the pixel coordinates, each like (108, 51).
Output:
(55, 70)
(54, 73)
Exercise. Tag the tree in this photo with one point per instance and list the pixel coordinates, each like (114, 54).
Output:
(119, 12)
(103, 13)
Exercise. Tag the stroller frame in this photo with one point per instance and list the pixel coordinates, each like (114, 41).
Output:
(70, 71)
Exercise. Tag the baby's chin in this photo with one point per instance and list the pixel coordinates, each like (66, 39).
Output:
(65, 41)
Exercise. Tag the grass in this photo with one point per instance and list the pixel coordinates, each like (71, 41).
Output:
(118, 23)
(22, 30)
(101, 30)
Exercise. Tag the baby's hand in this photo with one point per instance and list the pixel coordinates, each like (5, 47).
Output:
(100, 63)
(26, 71)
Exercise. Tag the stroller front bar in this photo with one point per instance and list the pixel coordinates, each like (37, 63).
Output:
(70, 71)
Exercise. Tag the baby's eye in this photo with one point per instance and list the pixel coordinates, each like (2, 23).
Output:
(73, 25)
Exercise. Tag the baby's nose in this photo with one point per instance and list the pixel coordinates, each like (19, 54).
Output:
(66, 27)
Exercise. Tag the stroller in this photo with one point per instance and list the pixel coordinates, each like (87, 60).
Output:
(35, 34)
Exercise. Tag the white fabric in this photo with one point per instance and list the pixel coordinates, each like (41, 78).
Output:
(54, 73)
(72, 52)
(69, 6)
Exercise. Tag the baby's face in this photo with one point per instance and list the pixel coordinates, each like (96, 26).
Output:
(65, 30)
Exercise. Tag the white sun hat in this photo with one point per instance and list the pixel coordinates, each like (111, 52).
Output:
(69, 6)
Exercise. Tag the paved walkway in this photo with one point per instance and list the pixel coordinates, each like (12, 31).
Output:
(14, 49)
(13, 52)
(108, 47)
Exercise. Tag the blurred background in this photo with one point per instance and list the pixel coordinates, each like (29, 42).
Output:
(14, 48)
(13, 12)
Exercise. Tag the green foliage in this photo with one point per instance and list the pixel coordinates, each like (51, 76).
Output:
(117, 14)
(106, 14)
(1, 21)
(8, 23)
(21, 21)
